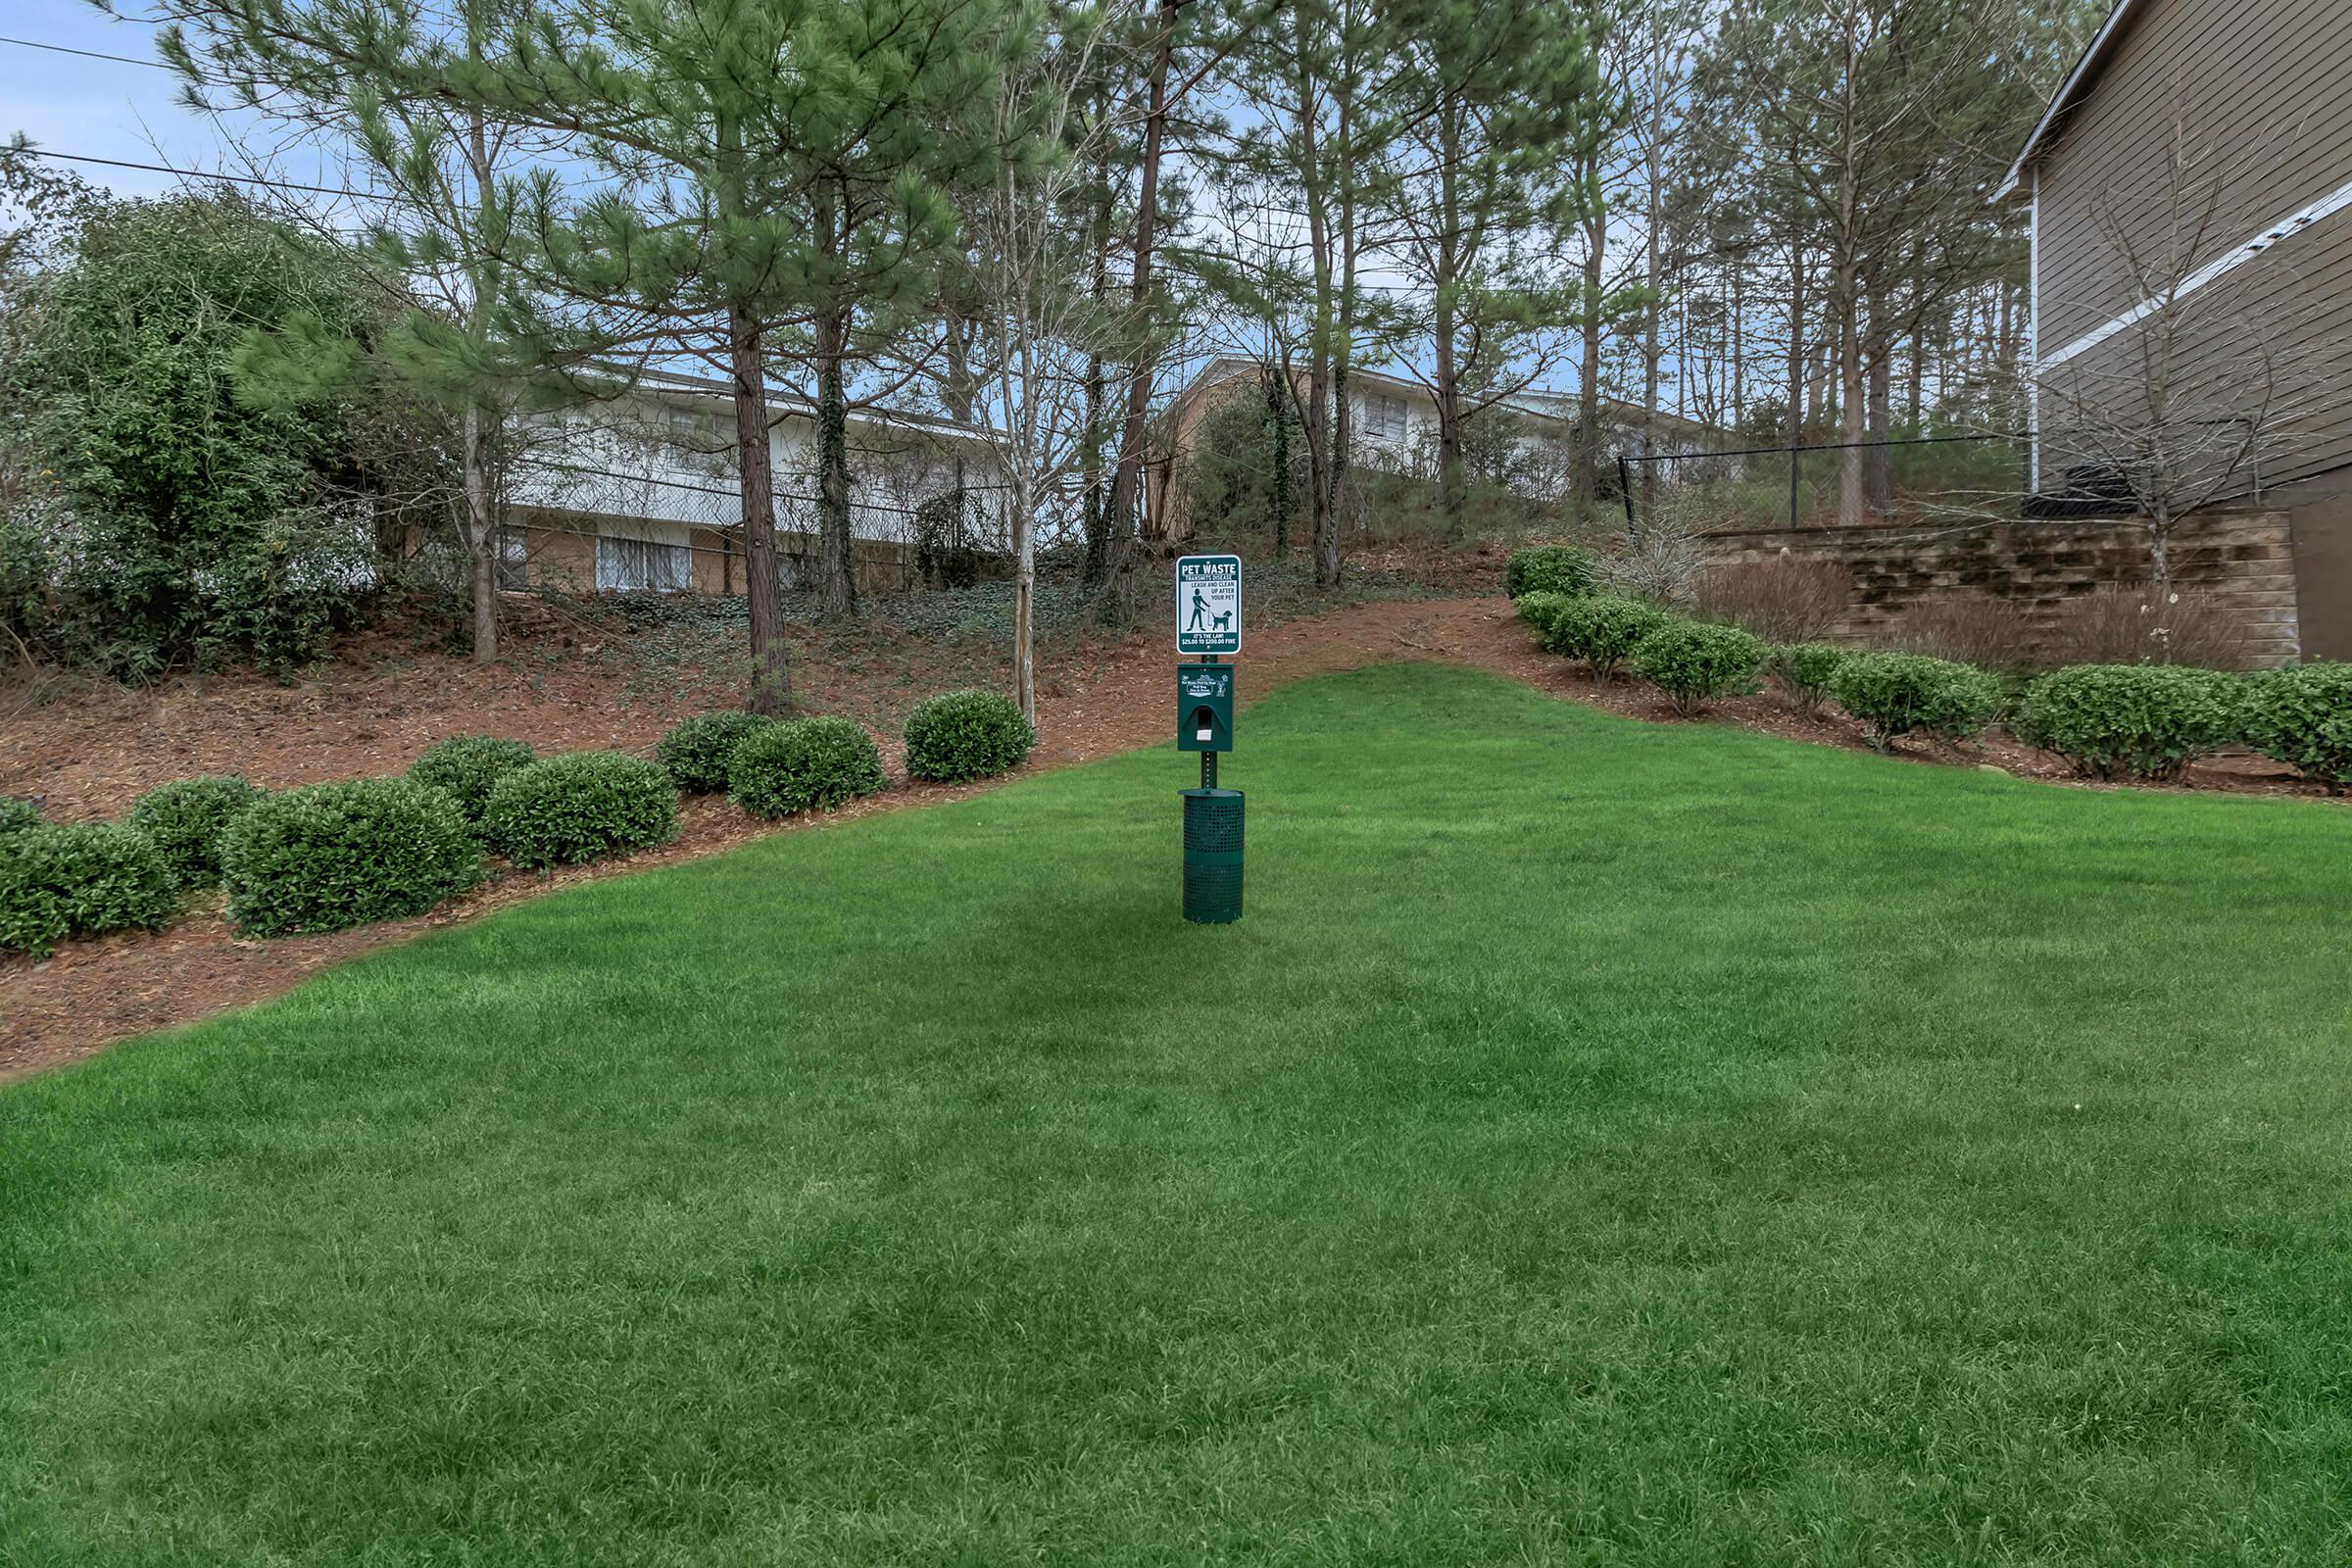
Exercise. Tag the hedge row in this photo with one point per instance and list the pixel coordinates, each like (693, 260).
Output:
(332, 856)
(2114, 721)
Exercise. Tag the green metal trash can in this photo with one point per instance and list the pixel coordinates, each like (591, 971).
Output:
(1212, 856)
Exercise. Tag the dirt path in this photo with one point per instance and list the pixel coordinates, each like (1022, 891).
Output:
(93, 994)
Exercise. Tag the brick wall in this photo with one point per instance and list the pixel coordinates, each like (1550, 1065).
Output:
(2243, 558)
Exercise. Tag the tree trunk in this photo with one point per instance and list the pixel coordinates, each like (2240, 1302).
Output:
(1587, 392)
(836, 554)
(1878, 479)
(1024, 593)
(1849, 393)
(481, 536)
(1278, 409)
(772, 680)
(1127, 481)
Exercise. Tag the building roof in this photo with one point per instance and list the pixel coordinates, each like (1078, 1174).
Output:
(2078, 82)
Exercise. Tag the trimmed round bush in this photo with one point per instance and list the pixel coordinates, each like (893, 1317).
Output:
(1537, 608)
(468, 766)
(2131, 720)
(966, 734)
(695, 750)
(580, 807)
(327, 856)
(1694, 662)
(1896, 695)
(84, 880)
(16, 814)
(803, 764)
(185, 820)
(1567, 570)
(2303, 716)
(1805, 670)
(1602, 629)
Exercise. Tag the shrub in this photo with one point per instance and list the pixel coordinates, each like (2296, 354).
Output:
(578, 808)
(1567, 570)
(18, 814)
(79, 881)
(1538, 609)
(185, 820)
(2131, 720)
(966, 734)
(2124, 625)
(1805, 672)
(696, 751)
(1786, 598)
(466, 767)
(1602, 629)
(2304, 715)
(807, 764)
(327, 856)
(1967, 629)
(1897, 693)
(1695, 664)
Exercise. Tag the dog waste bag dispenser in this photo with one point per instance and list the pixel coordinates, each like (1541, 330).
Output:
(1205, 708)
(1209, 628)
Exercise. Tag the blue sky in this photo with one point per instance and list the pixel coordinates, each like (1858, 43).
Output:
(105, 109)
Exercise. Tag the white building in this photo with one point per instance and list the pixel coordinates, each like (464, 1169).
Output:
(638, 491)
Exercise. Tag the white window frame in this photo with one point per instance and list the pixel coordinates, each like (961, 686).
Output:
(642, 565)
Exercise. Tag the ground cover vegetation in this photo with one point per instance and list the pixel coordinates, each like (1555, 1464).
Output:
(1890, 1178)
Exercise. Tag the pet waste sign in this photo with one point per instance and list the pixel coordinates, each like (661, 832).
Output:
(1209, 604)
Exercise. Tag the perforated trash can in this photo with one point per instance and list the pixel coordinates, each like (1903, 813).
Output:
(1212, 856)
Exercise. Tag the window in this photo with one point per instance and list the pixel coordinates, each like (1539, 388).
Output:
(624, 565)
(1383, 417)
(514, 560)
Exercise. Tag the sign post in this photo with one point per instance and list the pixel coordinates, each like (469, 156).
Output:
(1209, 629)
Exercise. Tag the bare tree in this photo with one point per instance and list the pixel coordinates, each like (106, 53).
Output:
(2196, 373)
(1037, 327)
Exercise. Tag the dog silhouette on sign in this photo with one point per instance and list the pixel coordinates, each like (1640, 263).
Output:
(1223, 622)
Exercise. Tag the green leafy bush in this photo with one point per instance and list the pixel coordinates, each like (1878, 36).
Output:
(16, 814)
(1537, 608)
(966, 734)
(578, 808)
(2304, 715)
(804, 764)
(2131, 720)
(1602, 629)
(79, 881)
(1566, 570)
(1805, 670)
(695, 750)
(185, 820)
(466, 767)
(327, 856)
(1896, 695)
(1694, 662)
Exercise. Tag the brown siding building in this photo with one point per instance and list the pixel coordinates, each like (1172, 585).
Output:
(2208, 144)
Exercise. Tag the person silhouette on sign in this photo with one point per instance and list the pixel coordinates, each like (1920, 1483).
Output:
(1199, 608)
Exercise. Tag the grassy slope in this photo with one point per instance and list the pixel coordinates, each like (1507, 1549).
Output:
(1599, 1143)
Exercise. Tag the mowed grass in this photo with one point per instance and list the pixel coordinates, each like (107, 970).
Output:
(1600, 1142)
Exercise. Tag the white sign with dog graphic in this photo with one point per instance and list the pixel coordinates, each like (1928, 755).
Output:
(1209, 604)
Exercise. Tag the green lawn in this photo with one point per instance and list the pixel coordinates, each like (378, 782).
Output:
(1600, 1142)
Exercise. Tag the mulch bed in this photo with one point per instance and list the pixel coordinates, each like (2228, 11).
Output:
(94, 757)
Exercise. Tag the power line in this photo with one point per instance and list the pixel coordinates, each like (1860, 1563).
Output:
(195, 174)
(86, 54)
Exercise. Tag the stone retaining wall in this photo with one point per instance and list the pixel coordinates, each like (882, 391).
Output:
(2245, 560)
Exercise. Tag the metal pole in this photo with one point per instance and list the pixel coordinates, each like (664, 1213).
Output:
(1208, 771)
(1796, 464)
(1625, 484)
